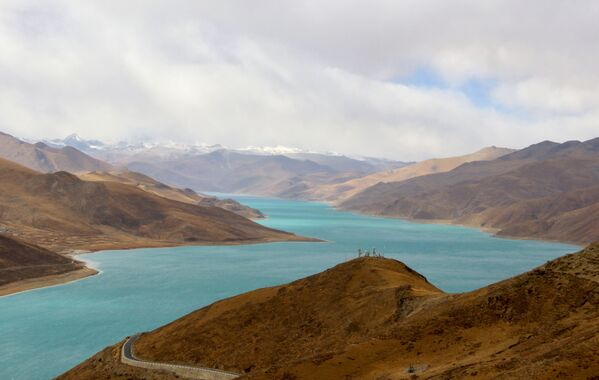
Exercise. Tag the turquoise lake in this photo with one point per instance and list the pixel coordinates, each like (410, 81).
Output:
(47, 331)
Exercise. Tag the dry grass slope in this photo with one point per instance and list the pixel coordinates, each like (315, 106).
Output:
(150, 185)
(59, 211)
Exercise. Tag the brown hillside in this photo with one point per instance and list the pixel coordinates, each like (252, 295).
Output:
(149, 184)
(374, 318)
(567, 216)
(44, 158)
(60, 211)
(20, 261)
(514, 193)
(342, 191)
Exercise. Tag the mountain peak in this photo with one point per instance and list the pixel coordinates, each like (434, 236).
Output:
(73, 137)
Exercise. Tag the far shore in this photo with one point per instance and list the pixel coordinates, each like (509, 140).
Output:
(489, 230)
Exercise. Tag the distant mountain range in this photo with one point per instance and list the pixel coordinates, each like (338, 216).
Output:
(118, 151)
(547, 190)
(48, 159)
(279, 171)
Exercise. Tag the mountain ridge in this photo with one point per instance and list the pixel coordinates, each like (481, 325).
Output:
(476, 193)
(339, 192)
(279, 171)
(41, 157)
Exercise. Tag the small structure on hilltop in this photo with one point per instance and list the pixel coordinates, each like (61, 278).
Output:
(369, 253)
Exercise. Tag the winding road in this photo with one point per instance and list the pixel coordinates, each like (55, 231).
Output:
(128, 357)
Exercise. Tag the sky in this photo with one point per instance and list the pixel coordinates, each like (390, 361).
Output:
(392, 78)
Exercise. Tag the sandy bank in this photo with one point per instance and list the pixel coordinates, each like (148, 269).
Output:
(46, 281)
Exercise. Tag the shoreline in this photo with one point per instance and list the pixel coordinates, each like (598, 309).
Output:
(87, 270)
(493, 231)
(46, 281)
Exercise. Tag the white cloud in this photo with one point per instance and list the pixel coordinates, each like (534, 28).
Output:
(311, 74)
(541, 95)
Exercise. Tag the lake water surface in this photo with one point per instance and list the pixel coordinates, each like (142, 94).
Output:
(47, 331)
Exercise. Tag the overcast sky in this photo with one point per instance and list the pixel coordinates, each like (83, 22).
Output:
(400, 79)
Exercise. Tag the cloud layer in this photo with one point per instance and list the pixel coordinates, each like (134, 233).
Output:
(331, 76)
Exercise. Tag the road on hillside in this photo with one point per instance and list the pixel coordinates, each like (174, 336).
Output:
(128, 357)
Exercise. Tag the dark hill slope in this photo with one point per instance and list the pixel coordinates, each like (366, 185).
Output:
(21, 261)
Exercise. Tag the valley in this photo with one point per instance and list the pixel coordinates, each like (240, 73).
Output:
(100, 310)
(544, 191)
(381, 190)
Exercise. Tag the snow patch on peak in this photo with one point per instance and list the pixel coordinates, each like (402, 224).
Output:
(272, 150)
(73, 137)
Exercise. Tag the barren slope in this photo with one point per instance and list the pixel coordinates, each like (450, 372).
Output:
(149, 184)
(341, 191)
(373, 318)
(568, 216)
(61, 212)
(496, 193)
(21, 261)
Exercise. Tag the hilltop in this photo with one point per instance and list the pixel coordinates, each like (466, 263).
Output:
(375, 318)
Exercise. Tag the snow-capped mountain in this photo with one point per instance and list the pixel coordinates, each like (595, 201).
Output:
(77, 142)
(277, 150)
(122, 152)
(116, 152)
(170, 148)
(269, 170)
